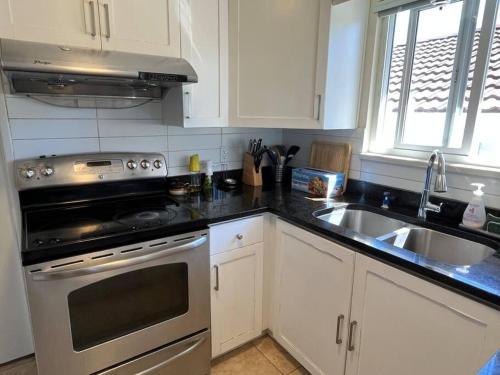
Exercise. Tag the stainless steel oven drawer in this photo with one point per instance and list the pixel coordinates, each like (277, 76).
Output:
(188, 357)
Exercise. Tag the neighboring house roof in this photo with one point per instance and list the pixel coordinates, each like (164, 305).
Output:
(431, 77)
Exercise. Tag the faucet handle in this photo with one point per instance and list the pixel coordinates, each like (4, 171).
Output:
(433, 207)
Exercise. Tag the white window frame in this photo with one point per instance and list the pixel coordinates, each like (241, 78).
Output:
(468, 153)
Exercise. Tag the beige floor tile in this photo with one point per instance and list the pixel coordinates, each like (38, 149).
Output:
(277, 355)
(300, 371)
(245, 361)
(25, 366)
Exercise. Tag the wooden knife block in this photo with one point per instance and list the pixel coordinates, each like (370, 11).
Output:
(250, 176)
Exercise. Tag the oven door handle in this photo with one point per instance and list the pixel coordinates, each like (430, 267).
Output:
(74, 272)
(186, 351)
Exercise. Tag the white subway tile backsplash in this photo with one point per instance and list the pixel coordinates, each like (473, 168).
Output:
(177, 171)
(181, 158)
(31, 148)
(23, 107)
(53, 128)
(194, 142)
(131, 128)
(240, 140)
(134, 144)
(41, 129)
(176, 130)
(148, 111)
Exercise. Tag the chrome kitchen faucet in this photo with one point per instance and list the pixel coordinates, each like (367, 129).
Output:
(440, 185)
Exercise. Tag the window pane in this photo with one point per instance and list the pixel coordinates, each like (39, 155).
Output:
(432, 75)
(393, 90)
(458, 126)
(487, 135)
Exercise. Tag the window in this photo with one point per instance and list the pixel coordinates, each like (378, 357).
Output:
(440, 81)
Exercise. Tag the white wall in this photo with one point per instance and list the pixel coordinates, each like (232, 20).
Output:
(15, 333)
(392, 173)
(42, 129)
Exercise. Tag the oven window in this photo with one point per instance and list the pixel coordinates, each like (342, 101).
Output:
(126, 303)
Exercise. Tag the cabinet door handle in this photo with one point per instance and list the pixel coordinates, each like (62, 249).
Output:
(340, 322)
(239, 236)
(92, 18)
(352, 327)
(317, 107)
(188, 105)
(216, 287)
(108, 24)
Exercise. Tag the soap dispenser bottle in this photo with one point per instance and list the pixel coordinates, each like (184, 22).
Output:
(475, 213)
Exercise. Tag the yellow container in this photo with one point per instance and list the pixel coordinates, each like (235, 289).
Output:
(194, 163)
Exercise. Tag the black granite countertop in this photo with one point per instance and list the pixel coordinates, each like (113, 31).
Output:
(480, 281)
(492, 367)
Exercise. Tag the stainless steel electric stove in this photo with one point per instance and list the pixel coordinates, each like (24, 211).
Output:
(117, 272)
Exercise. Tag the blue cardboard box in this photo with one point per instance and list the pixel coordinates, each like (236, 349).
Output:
(321, 183)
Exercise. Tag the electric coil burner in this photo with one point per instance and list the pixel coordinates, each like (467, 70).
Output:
(117, 272)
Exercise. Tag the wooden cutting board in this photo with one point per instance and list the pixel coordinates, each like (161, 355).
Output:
(332, 157)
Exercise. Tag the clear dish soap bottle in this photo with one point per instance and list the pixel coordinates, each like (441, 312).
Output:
(475, 213)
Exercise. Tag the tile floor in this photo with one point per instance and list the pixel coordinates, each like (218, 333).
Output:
(25, 366)
(263, 356)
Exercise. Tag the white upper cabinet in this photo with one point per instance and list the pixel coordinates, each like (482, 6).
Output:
(204, 42)
(141, 26)
(136, 26)
(290, 62)
(64, 22)
(312, 299)
(405, 325)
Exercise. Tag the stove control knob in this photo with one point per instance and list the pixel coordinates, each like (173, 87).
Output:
(158, 164)
(47, 171)
(131, 164)
(145, 164)
(28, 173)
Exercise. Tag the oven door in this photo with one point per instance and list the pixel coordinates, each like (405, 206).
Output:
(97, 310)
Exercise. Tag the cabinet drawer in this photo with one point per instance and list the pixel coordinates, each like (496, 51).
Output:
(236, 234)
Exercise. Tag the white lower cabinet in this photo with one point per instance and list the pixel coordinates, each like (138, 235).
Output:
(395, 323)
(236, 297)
(312, 298)
(405, 325)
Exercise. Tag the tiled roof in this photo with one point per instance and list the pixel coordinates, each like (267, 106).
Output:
(432, 69)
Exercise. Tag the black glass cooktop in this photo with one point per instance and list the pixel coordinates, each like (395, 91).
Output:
(54, 227)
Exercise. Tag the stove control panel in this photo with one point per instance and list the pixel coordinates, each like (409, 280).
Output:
(88, 168)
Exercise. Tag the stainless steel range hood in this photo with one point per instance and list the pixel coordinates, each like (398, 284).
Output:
(42, 69)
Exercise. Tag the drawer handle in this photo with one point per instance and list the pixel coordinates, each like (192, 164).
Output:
(352, 326)
(239, 236)
(340, 322)
(216, 287)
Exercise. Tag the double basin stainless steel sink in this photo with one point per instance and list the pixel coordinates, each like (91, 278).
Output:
(438, 246)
